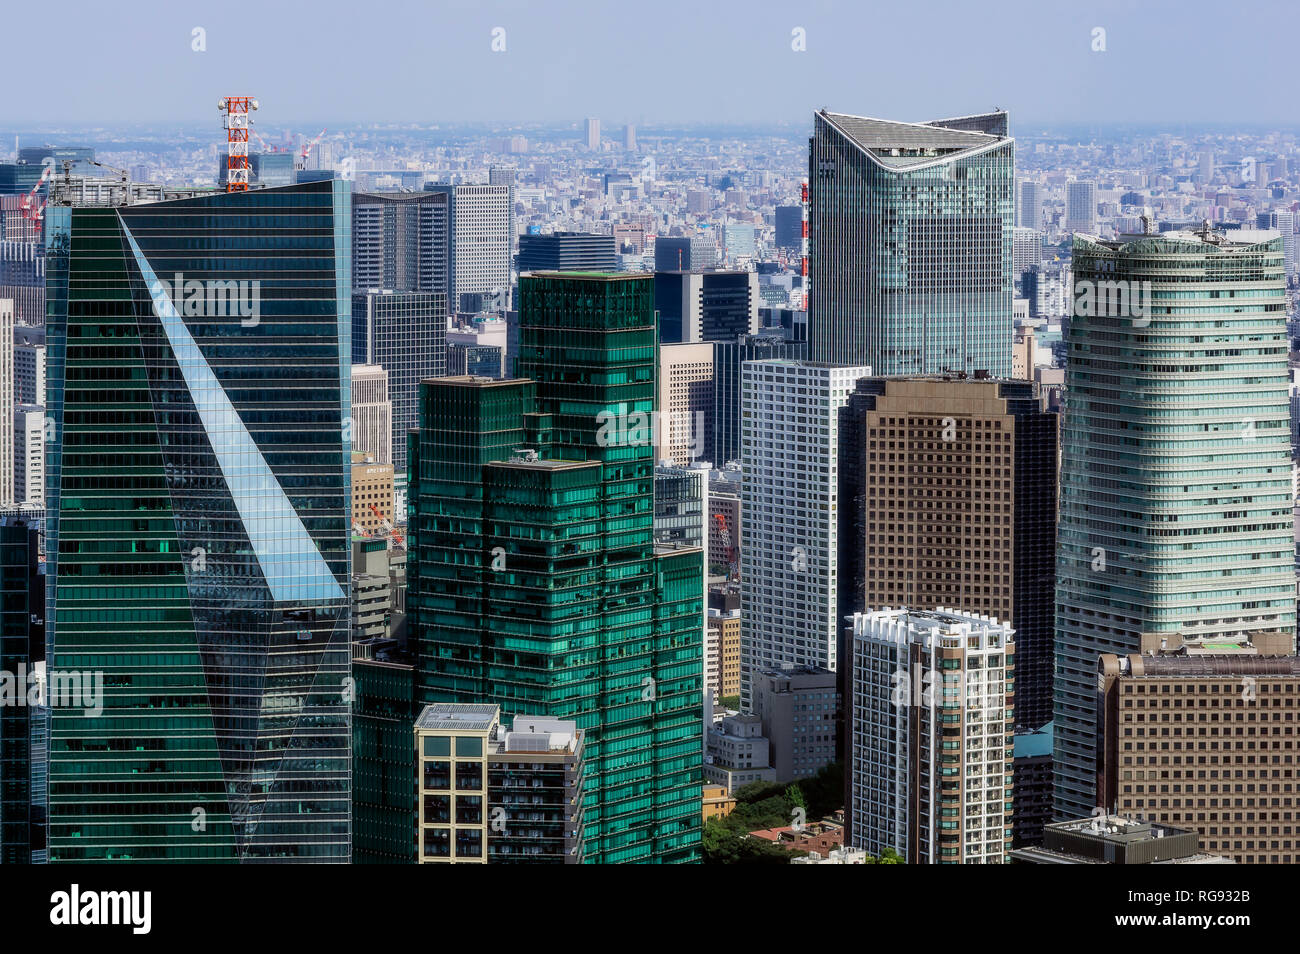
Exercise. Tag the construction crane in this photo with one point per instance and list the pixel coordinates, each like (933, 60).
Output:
(307, 148)
(237, 125)
(27, 204)
(388, 526)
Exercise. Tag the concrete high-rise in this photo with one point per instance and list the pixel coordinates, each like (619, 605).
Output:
(481, 245)
(929, 770)
(7, 389)
(685, 425)
(591, 133)
(729, 357)
(198, 528)
(372, 413)
(401, 241)
(706, 306)
(910, 244)
(1175, 503)
(1081, 207)
(949, 487)
(790, 511)
(1029, 210)
(405, 333)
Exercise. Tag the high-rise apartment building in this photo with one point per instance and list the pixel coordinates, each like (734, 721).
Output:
(1081, 207)
(405, 333)
(591, 133)
(491, 795)
(198, 535)
(401, 241)
(929, 770)
(29, 454)
(1029, 212)
(1175, 501)
(1206, 741)
(684, 431)
(372, 413)
(950, 487)
(535, 583)
(910, 244)
(481, 245)
(790, 510)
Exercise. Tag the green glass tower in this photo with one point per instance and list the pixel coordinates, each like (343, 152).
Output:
(1175, 504)
(534, 580)
(198, 547)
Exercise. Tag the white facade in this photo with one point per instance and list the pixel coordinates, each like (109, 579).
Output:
(7, 498)
(790, 514)
(906, 705)
(372, 413)
(29, 454)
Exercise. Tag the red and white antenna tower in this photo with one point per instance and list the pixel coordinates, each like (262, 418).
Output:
(238, 123)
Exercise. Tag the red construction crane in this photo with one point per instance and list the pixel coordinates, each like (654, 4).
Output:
(27, 205)
(388, 526)
(307, 148)
(725, 537)
(237, 124)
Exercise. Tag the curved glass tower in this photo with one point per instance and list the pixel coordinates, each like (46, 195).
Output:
(1175, 504)
(198, 536)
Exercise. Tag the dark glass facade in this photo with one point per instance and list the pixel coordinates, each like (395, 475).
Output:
(22, 645)
(198, 546)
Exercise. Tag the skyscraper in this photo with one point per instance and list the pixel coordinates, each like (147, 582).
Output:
(1081, 207)
(198, 537)
(481, 245)
(534, 581)
(7, 389)
(591, 132)
(929, 767)
(910, 244)
(790, 510)
(372, 413)
(706, 306)
(685, 403)
(950, 485)
(406, 334)
(1175, 513)
(401, 241)
(22, 647)
(1029, 214)
(567, 252)
(729, 357)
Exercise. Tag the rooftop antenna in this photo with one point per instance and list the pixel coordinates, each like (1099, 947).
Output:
(237, 124)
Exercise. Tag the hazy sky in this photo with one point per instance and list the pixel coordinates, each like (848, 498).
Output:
(656, 60)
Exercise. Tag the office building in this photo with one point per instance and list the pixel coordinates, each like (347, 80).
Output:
(192, 550)
(790, 506)
(481, 245)
(8, 387)
(1031, 785)
(567, 252)
(1175, 501)
(685, 426)
(738, 753)
(722, 654)
(383, 766)
(402, 242)
(949, 496)
(1029, 214)
(479, 361)
(789, 227)
(910, 244)
(1115, 840)
(22, 651)
(372, 590)
(372, 413)
(729, 357)
(372, 494)
(29, 363)
(1081, 207)
(1204, 740)
(497, 619)
(800, 710)
(488, 795)
(929, 769)
(405, 333)
(706, 306)
(29, 454)
(695, 253)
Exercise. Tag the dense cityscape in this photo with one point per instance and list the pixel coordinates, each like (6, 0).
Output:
(867, 488)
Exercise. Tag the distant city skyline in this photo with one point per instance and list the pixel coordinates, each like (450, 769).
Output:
(948, 58)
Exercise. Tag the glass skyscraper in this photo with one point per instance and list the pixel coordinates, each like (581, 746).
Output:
(535, 583)
(910, 244)
(198, 546)
(1175, 503)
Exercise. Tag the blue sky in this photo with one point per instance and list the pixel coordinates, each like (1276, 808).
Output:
(659, 60)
